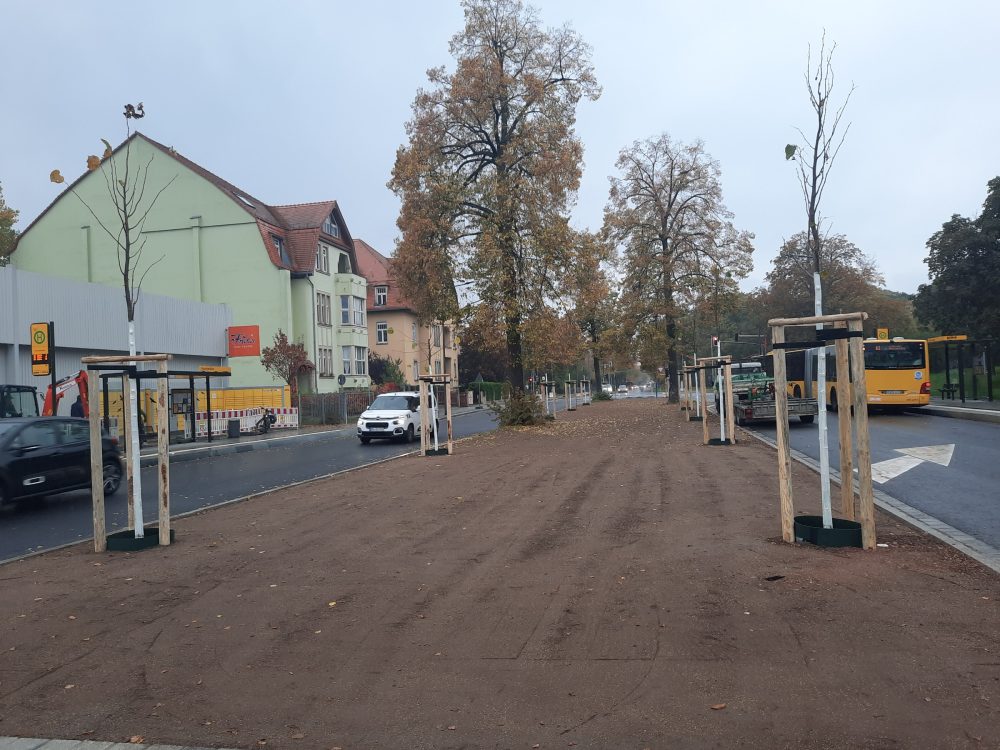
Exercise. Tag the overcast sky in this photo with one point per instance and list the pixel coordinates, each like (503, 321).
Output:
(304, 101)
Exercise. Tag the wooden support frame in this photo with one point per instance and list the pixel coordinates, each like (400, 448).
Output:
(568, 393)
(583, 392)
(97, 452)
(725, 363)
(427, 382)
(850, 353)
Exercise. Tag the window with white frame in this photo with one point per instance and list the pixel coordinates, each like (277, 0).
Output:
(345, 354)
(437, 366)
(381, 332)
(345, 309)
(360, 360)
(322, 258)
(323, 309)
(413, 333)
(359, 311)
(279, 245)
(330, 226)
(416, 371)
(325, 364)
(343, 264)
(381, 295)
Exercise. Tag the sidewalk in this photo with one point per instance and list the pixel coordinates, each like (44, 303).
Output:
(979, 411)
(602, 581)
(276, 438)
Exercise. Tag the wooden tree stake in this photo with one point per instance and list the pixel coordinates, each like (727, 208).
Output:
(781, 431)
(96, 464)
(845, 397)
(866, 498)
(162, 451)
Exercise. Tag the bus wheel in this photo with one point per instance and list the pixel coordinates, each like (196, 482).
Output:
(833, 399)
(796, 392)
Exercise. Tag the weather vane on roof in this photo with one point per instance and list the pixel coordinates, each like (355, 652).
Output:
(134, 113)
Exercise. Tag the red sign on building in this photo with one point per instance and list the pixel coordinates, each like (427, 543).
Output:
(244, 341)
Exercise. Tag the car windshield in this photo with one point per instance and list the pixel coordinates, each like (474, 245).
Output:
(894, 355)
(395, 403)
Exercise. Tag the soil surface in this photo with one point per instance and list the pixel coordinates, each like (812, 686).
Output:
(601, 582)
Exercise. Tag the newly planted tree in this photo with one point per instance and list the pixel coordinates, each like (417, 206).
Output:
(814, 157)
(493, 164)
(665, 213)
(132, 200)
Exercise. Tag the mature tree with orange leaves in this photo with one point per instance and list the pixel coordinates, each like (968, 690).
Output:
(492, 168)
(666, 214)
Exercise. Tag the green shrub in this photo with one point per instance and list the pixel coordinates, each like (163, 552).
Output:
(600, 396)
(521, 409)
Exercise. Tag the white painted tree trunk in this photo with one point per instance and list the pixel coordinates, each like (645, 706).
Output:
(824, 446)
(133, 440)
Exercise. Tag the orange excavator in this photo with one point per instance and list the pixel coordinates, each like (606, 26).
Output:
(53, 396)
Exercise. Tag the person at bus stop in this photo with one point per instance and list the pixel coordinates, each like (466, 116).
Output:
(76, 410)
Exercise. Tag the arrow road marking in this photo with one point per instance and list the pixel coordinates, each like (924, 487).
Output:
(936, 454)
(883, 471)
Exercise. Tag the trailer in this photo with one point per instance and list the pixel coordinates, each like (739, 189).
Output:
(753, 395)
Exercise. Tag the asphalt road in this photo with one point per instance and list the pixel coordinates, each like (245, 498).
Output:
(965, 494)
(44, 523)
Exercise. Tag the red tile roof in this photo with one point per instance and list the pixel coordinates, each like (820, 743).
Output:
(377, 270)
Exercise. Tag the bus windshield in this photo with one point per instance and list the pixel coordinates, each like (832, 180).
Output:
(894, 355)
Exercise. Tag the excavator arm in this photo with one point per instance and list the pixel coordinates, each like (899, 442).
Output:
(52, 397)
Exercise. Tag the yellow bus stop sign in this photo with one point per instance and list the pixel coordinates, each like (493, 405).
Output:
(882, 334)
(40, 364)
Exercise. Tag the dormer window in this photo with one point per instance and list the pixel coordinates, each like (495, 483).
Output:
(381, 295)
(279, 245)
(330, 226)
(344, 264)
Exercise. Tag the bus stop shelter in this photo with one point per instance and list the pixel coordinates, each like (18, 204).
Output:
(973, 359)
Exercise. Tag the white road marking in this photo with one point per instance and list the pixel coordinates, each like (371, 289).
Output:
(883, 471)
(936, 454)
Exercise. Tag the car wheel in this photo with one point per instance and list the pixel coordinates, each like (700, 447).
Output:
(806, 418)
(410, 434)
(365, 440)
(112, 478)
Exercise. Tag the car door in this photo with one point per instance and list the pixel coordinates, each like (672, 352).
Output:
(36, 459)
(76, 452)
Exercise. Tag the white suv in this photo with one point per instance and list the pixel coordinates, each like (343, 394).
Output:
(395, 416)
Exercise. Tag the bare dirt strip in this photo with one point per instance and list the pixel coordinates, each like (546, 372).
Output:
(602, 582)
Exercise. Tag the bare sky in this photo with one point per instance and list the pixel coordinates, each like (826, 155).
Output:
(304, 101)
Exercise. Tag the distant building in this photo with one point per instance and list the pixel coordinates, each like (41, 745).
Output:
(394, 330)
(276, 267)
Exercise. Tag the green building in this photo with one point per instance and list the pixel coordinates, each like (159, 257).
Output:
(291, 268)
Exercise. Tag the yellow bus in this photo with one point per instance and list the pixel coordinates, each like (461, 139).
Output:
(897, 374)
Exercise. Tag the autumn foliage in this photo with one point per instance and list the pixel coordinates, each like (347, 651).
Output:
(286, 360)
(491, 168)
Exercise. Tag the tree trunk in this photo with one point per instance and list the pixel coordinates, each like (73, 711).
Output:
(135, 491)
(514, 352)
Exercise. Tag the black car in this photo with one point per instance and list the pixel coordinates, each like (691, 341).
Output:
(46, 455)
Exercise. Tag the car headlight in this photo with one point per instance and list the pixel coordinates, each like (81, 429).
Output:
(401, 420)
(360, 423)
